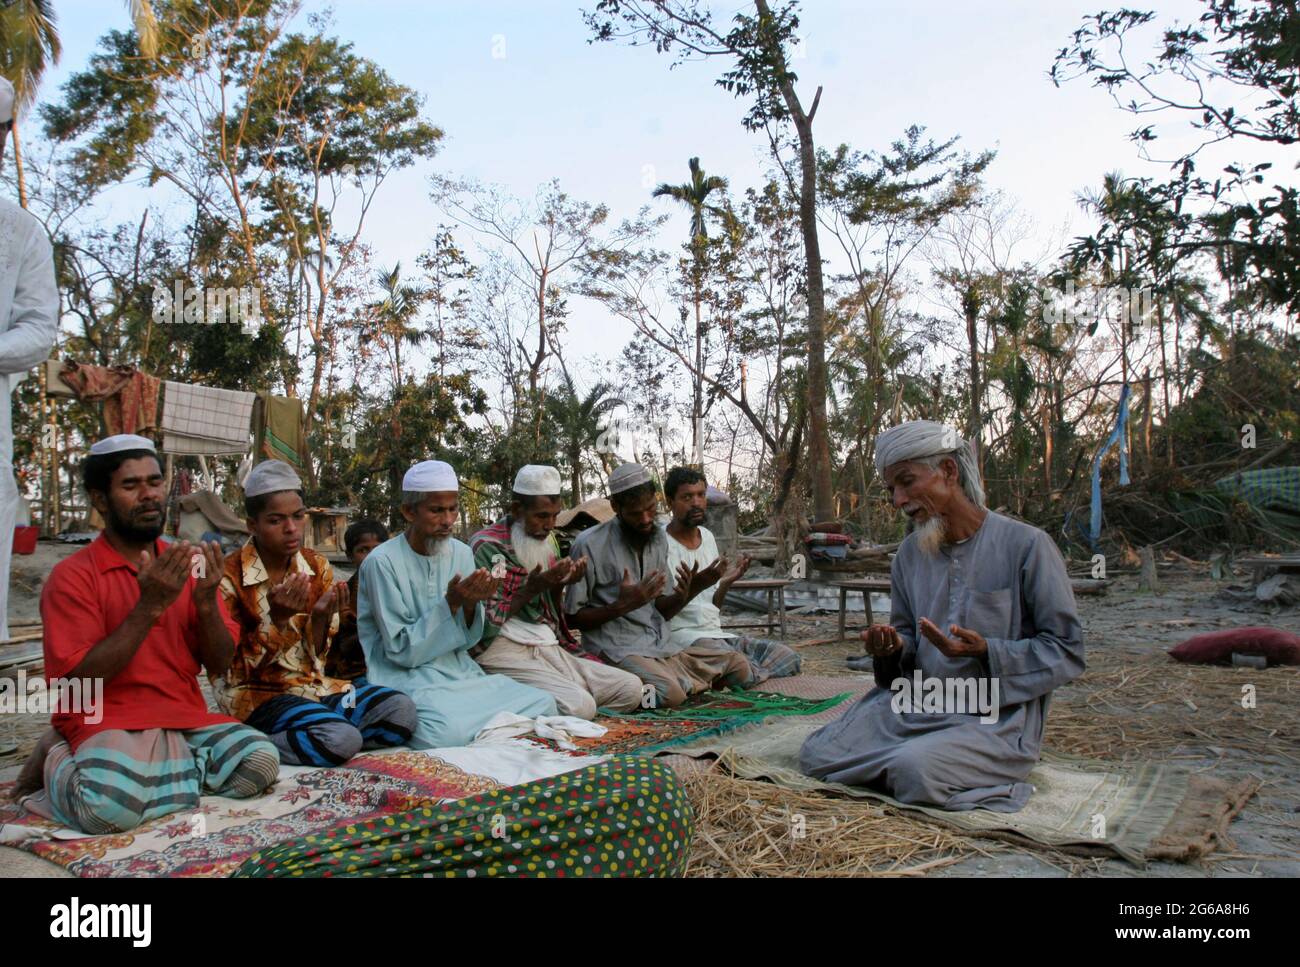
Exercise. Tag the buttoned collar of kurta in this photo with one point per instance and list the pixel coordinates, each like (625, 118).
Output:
(642, 632)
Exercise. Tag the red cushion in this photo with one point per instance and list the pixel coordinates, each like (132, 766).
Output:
(1278, 646)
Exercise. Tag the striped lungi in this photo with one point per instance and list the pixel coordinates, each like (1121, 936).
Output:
(119, 778)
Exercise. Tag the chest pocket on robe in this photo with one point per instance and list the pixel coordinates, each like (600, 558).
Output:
(989, 613)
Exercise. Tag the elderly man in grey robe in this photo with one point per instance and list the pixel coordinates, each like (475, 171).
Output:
(982, 628)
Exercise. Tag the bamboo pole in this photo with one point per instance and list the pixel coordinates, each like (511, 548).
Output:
(45, 461)
(1146, 419)
(54, 469)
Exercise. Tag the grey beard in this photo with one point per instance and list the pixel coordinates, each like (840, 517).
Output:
(530, 551)
(435, 545)
(930, 535)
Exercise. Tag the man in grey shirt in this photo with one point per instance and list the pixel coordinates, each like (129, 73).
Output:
(620, 606)
(982, 628)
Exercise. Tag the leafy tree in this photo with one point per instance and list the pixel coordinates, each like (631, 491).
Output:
(578, 420)
(695, 194)
(1232, 76)
(759, 47)
(881, 208)
(29, 43)
(263, 131)
(393, 314)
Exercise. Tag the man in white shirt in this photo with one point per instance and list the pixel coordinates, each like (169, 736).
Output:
(691, 543)
(29, 317)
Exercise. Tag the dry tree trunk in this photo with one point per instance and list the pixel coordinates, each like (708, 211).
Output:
(1147, 579)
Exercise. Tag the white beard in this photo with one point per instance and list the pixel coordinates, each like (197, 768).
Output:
(930, 535)
(531, 551)
(434, 546)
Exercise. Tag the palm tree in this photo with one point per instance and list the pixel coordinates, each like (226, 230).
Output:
(29, 44)
(695, 195)
(578, 420)
(146, 26)
(392, 316)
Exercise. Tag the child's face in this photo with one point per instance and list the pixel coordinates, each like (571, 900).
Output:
(278, 529)
(363, 547)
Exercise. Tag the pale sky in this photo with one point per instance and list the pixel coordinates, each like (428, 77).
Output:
(611, 121)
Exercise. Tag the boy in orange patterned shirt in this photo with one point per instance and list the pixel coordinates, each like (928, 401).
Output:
(287, 604)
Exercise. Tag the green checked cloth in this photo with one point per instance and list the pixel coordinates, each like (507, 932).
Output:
(1276, 488)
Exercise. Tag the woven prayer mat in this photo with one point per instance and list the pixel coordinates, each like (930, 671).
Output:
(1139, 811)
(708, 715)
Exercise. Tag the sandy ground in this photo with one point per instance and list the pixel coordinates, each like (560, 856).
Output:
(1132, 703)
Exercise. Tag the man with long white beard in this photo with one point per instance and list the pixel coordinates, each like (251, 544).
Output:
(526, 631)
(420, 611)
(980, 605)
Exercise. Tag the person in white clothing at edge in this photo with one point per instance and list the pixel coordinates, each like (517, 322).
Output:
(29, 318)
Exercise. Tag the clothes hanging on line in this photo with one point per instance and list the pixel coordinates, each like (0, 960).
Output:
(204, 420)
(130, 397)
(278, 430)
(1117, 438)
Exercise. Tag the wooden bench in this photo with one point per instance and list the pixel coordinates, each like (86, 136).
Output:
(1265, 565)
(775, 588)
(866, 586)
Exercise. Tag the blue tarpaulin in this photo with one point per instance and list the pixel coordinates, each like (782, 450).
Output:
(1117, 435)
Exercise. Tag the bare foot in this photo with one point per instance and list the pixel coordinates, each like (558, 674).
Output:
(32, 777)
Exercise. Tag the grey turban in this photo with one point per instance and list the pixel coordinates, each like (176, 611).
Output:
(922, 439)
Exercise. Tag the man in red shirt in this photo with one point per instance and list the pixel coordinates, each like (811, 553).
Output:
(133, 619)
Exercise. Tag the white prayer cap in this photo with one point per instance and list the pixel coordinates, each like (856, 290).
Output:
(536, 480)
(627, 476)
(271, 476)
(430, 476)
(123, 441)
(6, 101)
(924, 438)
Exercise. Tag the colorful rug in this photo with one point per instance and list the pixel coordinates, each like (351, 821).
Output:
(219, 836)
(707, 715)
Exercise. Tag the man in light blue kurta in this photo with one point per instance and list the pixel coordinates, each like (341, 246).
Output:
(420, 611)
